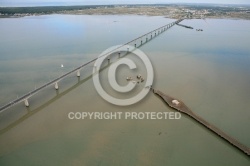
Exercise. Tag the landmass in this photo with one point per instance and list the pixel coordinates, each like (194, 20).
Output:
(175, 11)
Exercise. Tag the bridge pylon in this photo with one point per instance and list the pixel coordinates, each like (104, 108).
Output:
(56, 86)
(78, 74)
(26, 103)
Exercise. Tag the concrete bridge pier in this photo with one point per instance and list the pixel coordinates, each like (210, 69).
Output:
(78, 74)
(56, 86)
(55, 83)
(26, 103)
(95, 68)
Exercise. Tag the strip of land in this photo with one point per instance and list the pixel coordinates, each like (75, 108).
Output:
(174, 11)
(181, 107)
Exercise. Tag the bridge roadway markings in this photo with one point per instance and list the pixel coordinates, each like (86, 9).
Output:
(25, 98)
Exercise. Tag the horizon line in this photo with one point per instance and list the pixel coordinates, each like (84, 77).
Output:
(169, 3)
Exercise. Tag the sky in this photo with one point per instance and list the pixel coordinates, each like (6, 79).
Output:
(104, 2)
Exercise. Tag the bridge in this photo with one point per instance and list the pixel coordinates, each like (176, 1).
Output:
(142, 40)
(172, 102)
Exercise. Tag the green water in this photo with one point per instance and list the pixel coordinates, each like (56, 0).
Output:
(207, 70)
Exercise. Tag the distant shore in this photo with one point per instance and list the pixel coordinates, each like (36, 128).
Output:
(169, 11)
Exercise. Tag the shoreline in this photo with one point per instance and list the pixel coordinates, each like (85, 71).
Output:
(21, 16)
(168, 11)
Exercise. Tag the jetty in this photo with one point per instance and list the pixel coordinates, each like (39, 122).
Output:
(181, 107)
(185, 26)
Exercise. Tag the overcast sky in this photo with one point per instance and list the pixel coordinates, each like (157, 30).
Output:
(102, 2)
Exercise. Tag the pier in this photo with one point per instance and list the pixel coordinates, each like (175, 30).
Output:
(181, 107)
(185, 26)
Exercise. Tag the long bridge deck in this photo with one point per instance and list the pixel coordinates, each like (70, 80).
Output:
(181, 107)
(147, 37)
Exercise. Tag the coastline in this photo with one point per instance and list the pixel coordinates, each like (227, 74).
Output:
(168, 11)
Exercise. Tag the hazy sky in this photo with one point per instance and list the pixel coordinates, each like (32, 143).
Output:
(101, 2)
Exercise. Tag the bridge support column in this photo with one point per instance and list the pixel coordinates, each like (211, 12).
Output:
(128, 49)
(135, 45)
(26, 103)
(146, 39)
(119, 54)
(78, 74)
(141, 42)
(151, 36)
(56, 86)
